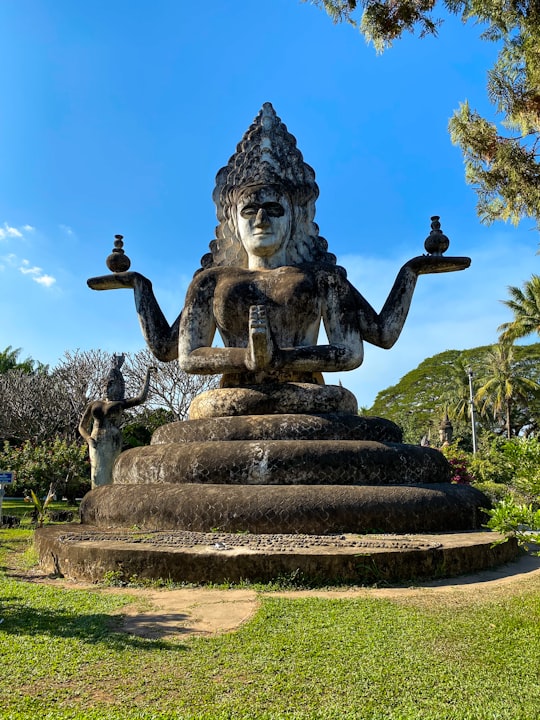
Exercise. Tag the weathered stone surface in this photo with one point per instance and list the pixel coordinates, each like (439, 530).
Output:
(269, 282)
(320, 509)
(267, 287)
(274, 398)
(100, 423)
(283, 462)
(355, 559)
(335, 426)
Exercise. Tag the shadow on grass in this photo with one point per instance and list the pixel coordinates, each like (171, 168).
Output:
(18, 618)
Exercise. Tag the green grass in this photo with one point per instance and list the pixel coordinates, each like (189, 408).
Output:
(458, 657)
(23, 510)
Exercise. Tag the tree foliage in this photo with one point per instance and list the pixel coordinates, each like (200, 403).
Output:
(45, 405)
(525, 305)
(504, 386)
(171, 389)
(441, 384)
(37, 466)
(501, 158)
(35, 407)
(9, 360)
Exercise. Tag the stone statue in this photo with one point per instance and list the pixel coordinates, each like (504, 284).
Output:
(100, 423)
(446, 431)
(269, 282)
(274, 449)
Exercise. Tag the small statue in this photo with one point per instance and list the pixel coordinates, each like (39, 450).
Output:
(446, 431)
(269, 282)
(100, 423)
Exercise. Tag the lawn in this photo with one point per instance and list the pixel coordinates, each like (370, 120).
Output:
(463, 655)
(17, 507)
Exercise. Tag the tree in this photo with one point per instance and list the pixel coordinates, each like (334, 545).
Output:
(422, 396)
(525, 304)
(504, 386)
(38, 466)
(440, 383)
(503, 166)
(39, 406)
(35, 407)
(171, 389)
(9, 360)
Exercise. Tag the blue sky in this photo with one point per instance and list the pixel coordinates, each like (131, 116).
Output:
(117, 115)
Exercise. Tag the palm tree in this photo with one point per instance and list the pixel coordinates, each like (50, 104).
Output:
(503, 385)
(525, 304)
(456, 398)
(9, 360)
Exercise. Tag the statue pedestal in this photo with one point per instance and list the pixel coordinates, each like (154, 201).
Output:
(303, 472)
(327, 496)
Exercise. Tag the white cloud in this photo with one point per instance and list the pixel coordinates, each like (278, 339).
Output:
(27, 269)
(9, 259)
(67, 229)
(36, 273)
(7, 231)
(28, 228)
(46, 280)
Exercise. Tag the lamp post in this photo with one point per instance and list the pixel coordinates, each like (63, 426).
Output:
(471, 402)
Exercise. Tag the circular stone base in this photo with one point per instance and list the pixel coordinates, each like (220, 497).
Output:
(86, 554)
(330, 426)
(310, 509)
(272, 399)
(282, 462)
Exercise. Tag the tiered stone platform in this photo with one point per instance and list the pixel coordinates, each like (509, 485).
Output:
(284, 473)
(84, 553)
(331, 495)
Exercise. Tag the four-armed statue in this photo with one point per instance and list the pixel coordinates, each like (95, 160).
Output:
(100, 423)
(269, 281)
(246, 459)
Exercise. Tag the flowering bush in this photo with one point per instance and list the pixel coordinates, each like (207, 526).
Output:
(459, 463)
(460, 473)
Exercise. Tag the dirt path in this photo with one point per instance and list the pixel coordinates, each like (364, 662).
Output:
(177, 614)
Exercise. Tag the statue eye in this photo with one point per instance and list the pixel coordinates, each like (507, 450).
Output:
(274, 209)
(249, 211)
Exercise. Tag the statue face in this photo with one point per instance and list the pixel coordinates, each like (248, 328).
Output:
(263, 221)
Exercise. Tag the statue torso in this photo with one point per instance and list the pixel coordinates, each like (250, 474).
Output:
(291, 296)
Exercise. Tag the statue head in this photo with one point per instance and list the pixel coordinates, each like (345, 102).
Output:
(115, 387)
(263, 222)
(266, 171)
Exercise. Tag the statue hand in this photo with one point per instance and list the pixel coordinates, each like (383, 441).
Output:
(260, 344)
(115, 281)
(427, 264)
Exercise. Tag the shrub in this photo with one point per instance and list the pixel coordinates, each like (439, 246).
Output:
(37, 466)
(459, 462)
(524, 456)
(516, 520)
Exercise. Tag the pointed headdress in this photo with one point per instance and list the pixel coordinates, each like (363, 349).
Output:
(266, 155)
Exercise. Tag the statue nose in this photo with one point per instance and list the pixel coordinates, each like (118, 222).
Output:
(262, 217)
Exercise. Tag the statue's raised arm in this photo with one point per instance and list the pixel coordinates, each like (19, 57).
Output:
(269, 281)
(384, 328)
(161, 338)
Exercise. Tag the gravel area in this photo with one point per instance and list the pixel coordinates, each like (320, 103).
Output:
(274, 542)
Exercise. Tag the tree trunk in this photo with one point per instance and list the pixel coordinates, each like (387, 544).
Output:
(508, 425)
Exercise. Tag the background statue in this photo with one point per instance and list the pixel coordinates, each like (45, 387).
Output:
(269, 282)
(100, 423)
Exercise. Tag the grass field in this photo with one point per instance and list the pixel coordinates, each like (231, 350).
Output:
(463, 655)
(23, 510)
